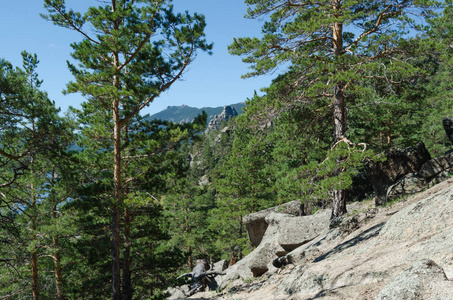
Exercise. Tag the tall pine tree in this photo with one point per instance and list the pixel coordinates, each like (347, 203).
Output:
(330, 48)
(131, 52)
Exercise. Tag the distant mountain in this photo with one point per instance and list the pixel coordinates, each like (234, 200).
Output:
(185, 114)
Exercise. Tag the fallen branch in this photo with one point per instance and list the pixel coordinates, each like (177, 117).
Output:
(201, 277)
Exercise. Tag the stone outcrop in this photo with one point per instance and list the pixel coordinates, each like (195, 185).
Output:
(284, 234)
(397, 163)
(409, 184)
(431, 173)
(415, 282)
(436, 166)
(296, 231)
(256, 224)
(227, 113)
(402, 252)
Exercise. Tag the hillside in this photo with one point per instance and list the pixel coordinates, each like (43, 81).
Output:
(398, 252)
(185, 114)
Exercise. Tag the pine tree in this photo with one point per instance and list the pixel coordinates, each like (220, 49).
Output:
(241, 185)
(330, 48)
(439, 40)
(34, 137)
(137, 50)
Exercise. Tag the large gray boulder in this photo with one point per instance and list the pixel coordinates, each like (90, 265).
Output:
(431, 173)
(295, 231)
(413, 283)
(239, 271)
(261, 258)
(256, 224)
(409, 184)
(284, 234)
(436, 166)
(398, 162)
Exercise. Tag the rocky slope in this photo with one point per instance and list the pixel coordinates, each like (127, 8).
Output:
(404, 251)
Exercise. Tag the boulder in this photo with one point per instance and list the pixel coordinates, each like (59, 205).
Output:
(178, 293)
(295, 231)
(435, 166)
(397, 164)
(413, 283)
(259, 262)
(220, 266)
(256, 224)
(284, 234)
(431, 173)
(238, 271)
(409, 184)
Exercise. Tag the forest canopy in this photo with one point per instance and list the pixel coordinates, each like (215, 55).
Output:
(102, 202)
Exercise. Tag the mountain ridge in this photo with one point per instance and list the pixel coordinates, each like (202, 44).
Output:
(186, 114)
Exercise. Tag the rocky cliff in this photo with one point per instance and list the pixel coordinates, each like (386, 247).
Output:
(186, 114)
(227, 113)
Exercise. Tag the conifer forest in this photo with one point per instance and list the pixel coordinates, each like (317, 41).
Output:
(101, 202)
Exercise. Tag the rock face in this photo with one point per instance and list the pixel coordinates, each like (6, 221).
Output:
(402, 252)
(227, 113)
(284, 233)
(399, 162)
(436, 166)
(431, 173)
(409, 184)
(414, 282)
(256, 224)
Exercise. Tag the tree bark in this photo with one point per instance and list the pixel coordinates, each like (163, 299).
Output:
(338, 194)
(57, 261)
(187, 231)
(116, 270)
(241, 223)
(127, 282)
(58, 272)
(116, 264)
(34, 274)
(339, 114)
(34, 223)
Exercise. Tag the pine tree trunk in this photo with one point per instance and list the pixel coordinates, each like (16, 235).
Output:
(187, 231)
(339, 195)
(240, 235)
(116, 264)
(34, 274)
(339, 115)
(34, 223)
(57, 261)
(58, 272)
(57, 255)
(116, 271)
(190, 258)
(127, 282)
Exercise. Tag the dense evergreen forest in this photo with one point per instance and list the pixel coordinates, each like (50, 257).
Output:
(101, 202)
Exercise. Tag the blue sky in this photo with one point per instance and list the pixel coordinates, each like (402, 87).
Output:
(210, 82)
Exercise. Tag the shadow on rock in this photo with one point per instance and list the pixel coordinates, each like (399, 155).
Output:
(366, 235)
